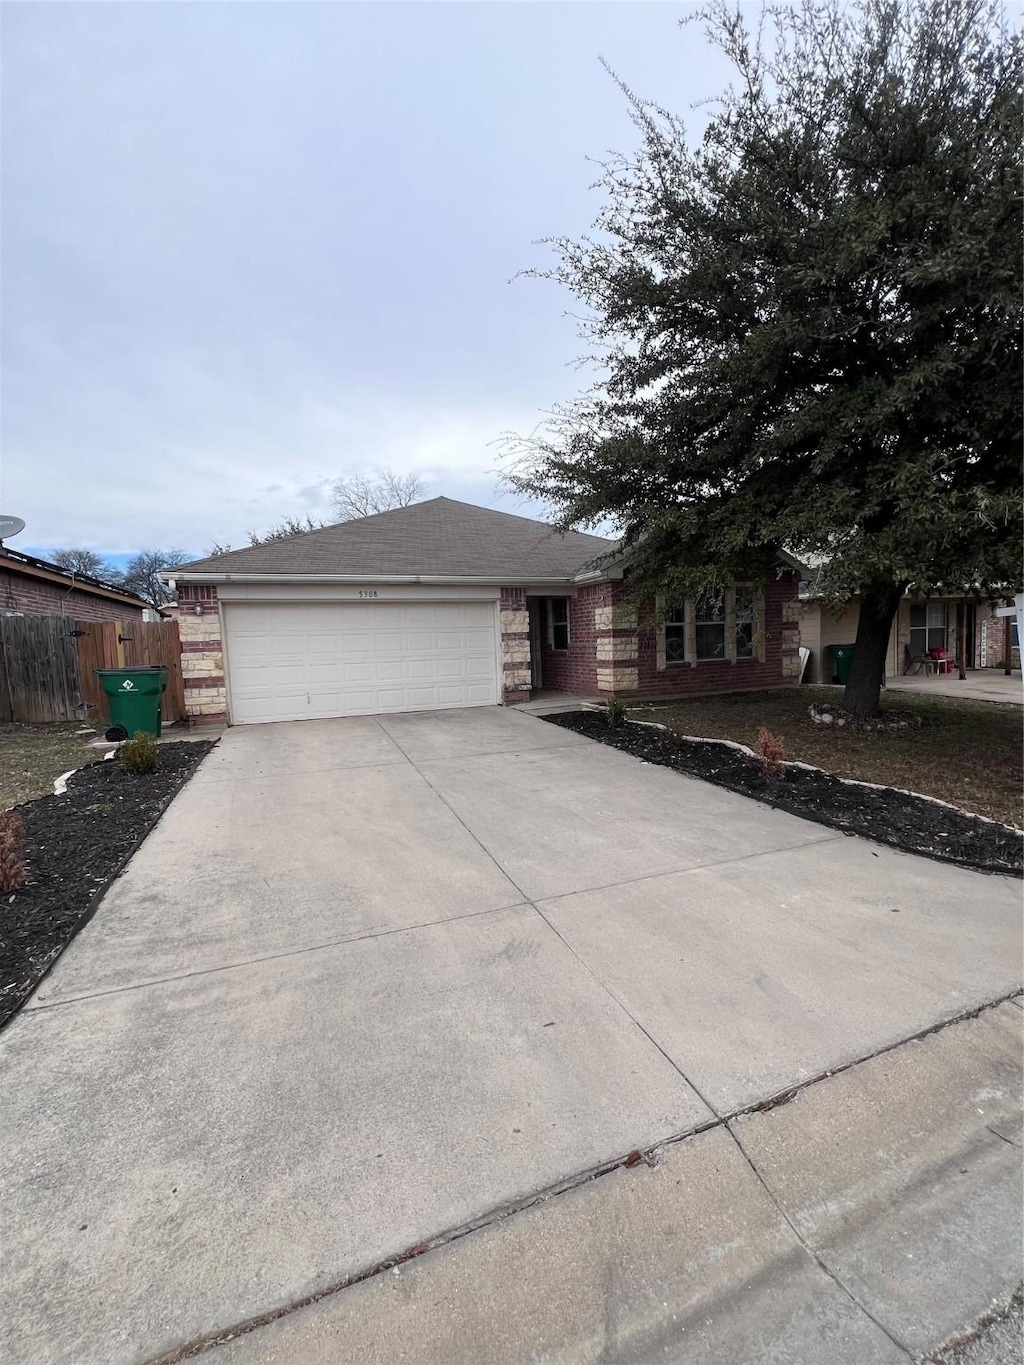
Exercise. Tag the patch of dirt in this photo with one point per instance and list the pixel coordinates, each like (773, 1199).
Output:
(75, 846)
(887, 816)
(34, 755)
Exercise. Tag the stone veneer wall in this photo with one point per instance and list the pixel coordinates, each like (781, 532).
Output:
(515, 646)
(202, 655)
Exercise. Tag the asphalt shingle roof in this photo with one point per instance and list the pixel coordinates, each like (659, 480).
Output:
(438, 537)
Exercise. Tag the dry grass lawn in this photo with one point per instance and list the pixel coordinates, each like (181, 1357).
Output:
(32, 756)
(966, 752)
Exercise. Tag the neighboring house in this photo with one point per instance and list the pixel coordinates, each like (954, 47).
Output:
(922, 624)
(35, 587)
(443, 604)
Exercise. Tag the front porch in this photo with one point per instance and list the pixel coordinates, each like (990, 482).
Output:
(981, 684)
(546, 701)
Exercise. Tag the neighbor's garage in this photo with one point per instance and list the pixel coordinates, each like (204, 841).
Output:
(301, 661)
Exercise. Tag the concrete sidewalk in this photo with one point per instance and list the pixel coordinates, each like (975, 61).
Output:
(865, 1221)
(372, 981)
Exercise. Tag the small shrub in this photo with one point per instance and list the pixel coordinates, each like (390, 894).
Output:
(12, 842)
(140, 754)
(770, 750)
(616, 712)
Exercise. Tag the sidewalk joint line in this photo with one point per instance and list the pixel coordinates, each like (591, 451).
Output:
(274, 957)
(497, 1214)
(603, 985)
(692, 867)
(811, 1252)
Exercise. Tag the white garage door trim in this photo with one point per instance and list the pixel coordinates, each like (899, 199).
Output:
(304, 660)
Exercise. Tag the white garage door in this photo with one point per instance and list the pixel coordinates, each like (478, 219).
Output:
(298, 661)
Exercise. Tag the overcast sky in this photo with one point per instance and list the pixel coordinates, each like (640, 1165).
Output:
(248, 248)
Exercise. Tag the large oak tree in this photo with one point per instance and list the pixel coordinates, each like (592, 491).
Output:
(809, 321)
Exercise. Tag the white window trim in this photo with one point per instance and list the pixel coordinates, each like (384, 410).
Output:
(690, 659)
(936, 617)
(555, 649)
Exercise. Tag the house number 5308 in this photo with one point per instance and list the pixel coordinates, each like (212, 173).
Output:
(367, 592)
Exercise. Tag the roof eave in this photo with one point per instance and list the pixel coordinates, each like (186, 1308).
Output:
(71, 583)
(439, 580)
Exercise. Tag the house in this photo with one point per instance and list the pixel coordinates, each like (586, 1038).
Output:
(443, 604)
(922, 624)
(35, 587)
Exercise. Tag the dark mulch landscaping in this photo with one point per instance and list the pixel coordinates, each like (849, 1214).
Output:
(75, 846)
(887, 816)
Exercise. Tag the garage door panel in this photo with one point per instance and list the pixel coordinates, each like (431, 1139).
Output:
(290, 661)
(418, 669)
(421, 696)
(355, 642)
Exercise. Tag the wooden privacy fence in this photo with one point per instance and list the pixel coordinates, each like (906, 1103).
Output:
(48, 665)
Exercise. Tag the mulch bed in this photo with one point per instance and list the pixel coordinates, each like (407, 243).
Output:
(75, 846)
(887, 816)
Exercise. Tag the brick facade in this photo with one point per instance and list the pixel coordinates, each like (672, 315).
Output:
(614, 647)
(31, 596)
(573, 670)
(202, 655)
(990, 638)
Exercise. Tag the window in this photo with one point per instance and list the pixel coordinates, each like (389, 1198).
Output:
(724, 625)
(927, 626)
(710, 626)
(675, 636)
(746, 601)
(558, 623)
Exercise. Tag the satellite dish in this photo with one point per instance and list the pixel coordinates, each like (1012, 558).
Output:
(10, 526)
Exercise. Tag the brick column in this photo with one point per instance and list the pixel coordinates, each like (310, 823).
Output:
(517, 678)
(791, 640)
(202, 656)
(617, 630)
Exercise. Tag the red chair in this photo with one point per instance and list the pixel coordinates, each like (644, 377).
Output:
(943, 662)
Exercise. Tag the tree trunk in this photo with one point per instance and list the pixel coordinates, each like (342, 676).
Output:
(878, 605)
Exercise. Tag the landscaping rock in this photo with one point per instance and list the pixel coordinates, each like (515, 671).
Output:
(885, 721)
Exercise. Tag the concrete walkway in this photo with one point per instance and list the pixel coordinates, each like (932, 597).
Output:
(981, 684)
(373, 983)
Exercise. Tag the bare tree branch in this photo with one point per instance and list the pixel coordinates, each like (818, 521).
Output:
(383, 491)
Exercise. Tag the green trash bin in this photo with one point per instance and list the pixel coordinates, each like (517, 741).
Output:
(842, 658)
(133, 695)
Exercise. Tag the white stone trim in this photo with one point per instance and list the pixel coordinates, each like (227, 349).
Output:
(612, 679)
(616, 648)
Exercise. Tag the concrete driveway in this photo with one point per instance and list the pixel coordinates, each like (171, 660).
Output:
(371, 984)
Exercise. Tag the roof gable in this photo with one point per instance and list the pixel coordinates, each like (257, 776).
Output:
(440, 537)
